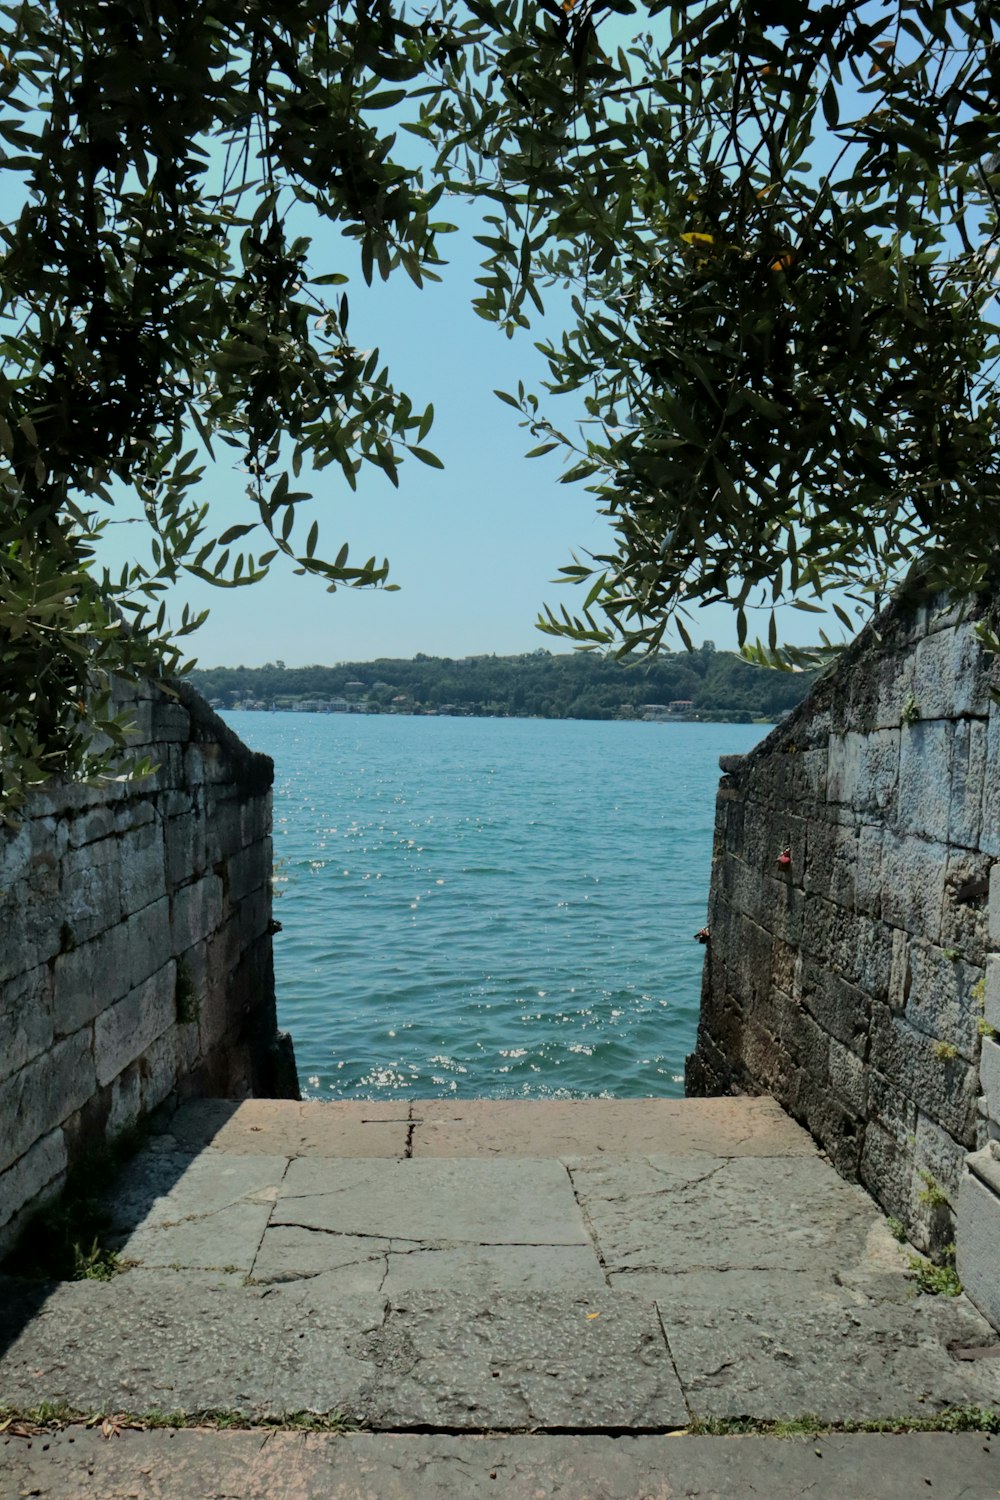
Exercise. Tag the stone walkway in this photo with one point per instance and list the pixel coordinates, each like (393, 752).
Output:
(461, 1279)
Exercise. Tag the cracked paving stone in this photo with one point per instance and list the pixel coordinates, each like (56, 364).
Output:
(663, 1214)
(154, 1342)
(165, 1187)
(837, 1363)
(528, 1360)
(291, 1253)
(170, 1209)
(479, 1202)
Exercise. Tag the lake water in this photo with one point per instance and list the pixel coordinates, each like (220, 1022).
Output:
(490, 907)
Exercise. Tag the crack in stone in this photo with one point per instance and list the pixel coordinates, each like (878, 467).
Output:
(588, 1225)
(673, 1362)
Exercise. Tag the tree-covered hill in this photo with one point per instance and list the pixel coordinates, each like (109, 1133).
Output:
(716, 684)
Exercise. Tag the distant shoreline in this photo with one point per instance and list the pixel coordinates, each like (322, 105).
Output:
(700, 686)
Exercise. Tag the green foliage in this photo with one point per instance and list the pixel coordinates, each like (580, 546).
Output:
(946, 1051)
(154, 304)
(65, 1240)
(897, 1229)
(779, 227)
(932, 1192)
(910, 712)
(935, 1281)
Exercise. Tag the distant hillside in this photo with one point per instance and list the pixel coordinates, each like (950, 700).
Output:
(703, 684)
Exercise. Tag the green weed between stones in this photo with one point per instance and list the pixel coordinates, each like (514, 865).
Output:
(65, 1240)
(897, 1229)
(52, 1416)
(952, 1419)
(932, 1192)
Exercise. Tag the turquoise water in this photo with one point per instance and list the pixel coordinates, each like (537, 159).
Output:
(490, 907)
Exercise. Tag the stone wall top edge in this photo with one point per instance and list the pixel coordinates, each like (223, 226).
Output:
(900, 625)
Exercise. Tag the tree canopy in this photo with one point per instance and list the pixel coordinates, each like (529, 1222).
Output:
(778, 224)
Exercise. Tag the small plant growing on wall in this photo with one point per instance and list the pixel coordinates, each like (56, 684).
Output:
(185, 995)
(911, 710)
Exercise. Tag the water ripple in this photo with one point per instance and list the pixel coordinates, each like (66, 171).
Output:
(487, 907)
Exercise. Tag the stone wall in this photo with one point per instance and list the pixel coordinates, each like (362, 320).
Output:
(854, 910)
(135, 947)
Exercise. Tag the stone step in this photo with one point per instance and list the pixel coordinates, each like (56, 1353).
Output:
(488, 1127)
(599, 1265)
(259, 1465)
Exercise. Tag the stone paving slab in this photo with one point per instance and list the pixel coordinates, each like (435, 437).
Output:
(464, 1360)
(837, 1363)
(531, 1361)
(153, 1341)
(482, 1202)
(307, 1128)
(660, 1213)
(77, 1464)
(560, 1127)
(340, 1264)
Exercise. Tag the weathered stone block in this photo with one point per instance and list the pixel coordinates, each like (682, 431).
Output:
(913, 884)
(44, 1093)
(127, 1029)
(91, 896)
(170, 722)
(991, 997)
(978, 1238)
(149, 942)
(946, 1087)
(937, 1158)
(868, 871)
(88, 826)
(841, 1008)
(137, 813)
(248, 870)
(893, 1110)
(994, 907)
(886, 1169)
(940, 1001)
(26, 1181)
(894, 677)
(849, 1078)
(852, 947)
(989, 1075)
(925, 759)
(223, 828)
(989, 829)
(158, 1070)
(143, 868)
(26, 1026)
(843, 768)
(184, 848)
(968, 773)
(196, 912)
(89, 977)
(965, 919)
(831, 861)
(949, 676)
